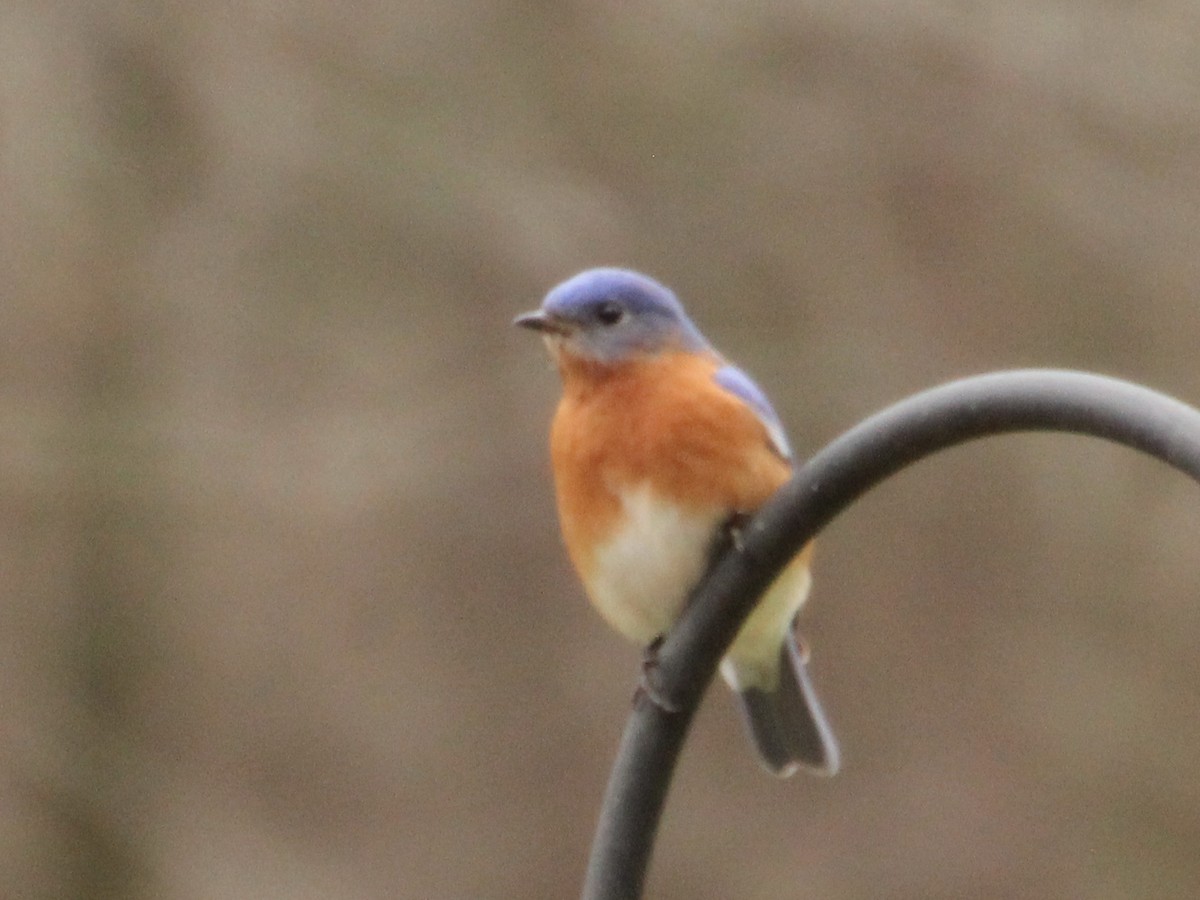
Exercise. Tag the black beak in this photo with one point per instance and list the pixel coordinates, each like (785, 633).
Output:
(539, 321)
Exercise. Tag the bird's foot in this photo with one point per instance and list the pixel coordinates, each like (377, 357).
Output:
(646, 687)
(732, 530)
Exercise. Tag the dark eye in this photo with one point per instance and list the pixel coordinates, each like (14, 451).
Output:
(610, 313)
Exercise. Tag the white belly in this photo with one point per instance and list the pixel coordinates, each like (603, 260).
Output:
(641, 578)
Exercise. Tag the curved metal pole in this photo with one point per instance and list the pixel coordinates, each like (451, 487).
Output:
(942, 417)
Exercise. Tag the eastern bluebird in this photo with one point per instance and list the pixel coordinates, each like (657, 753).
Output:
(660, 447)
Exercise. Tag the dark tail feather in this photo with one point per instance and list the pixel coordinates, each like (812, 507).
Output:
(787, 724)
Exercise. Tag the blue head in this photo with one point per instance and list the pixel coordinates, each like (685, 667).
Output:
(608, 315)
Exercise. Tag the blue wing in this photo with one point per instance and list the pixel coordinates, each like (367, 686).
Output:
(740, 384)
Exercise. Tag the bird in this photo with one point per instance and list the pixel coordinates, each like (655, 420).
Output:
(659, 448)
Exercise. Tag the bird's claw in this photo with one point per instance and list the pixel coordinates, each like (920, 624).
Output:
(646, 687)
(733, 527)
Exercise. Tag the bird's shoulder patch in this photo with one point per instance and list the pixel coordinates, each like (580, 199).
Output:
(737, 382)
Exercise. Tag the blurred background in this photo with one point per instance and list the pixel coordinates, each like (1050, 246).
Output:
(285, 612)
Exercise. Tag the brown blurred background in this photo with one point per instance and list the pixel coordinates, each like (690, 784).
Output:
(285, 613)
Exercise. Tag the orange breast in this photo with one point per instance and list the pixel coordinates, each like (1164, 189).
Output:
(661, 421)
